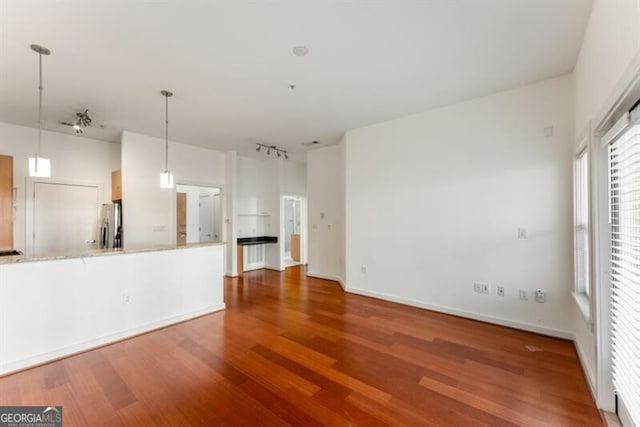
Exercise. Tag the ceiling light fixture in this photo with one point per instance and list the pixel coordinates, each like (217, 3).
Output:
(83, 118)
(39, 166)
(166, 178)
(279, 151)
(82, 121)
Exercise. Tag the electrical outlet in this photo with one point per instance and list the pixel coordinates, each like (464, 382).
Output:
(500, 291)
(485, 289)
(523, 295)
(364, 269)
(541, 297)
(126, 299)
(477, 287)
(522, 233)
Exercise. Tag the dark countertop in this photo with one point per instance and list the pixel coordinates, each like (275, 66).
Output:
(260, 240)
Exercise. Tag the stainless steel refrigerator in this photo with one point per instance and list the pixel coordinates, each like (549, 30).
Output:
(110, 230)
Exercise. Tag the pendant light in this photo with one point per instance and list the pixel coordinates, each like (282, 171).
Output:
(166, 178)
(38, 165)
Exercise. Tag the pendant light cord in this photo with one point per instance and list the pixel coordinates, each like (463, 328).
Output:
(166, 134)
(39, 107)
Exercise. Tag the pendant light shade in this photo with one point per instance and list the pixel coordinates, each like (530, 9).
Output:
(39, 166)
(166, 178)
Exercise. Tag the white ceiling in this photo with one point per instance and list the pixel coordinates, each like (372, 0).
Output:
(230, 63)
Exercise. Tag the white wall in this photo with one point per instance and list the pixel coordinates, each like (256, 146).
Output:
(148, 210)
(611, 43)
(273, 184)
(73, 158)
(250, 185)
(294, 180)
(434, 201)
(608, 60)
(90, 301)
(325, 213)
(230, 209)
(250, 179)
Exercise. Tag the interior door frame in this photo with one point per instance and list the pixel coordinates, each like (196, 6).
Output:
(213, 209)
(30, 183)
(173, 206)
(303, 224)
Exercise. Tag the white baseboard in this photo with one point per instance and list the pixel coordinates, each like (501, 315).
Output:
(468, 314)
(588, 372)
(38, 359)
(327, 277)
(274, 267)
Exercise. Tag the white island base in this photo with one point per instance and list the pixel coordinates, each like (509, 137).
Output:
(51, 308)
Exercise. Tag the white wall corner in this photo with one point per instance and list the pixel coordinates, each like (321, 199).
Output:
(589, 374)
(327, 277)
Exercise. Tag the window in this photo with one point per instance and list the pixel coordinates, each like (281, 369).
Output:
(581, 233)
(624, 205)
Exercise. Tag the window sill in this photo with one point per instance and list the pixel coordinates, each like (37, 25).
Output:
(584, 305)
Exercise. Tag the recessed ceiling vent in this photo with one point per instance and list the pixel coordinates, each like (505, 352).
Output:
(300, 51)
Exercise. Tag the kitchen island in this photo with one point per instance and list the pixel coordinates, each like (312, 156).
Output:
(55, 305)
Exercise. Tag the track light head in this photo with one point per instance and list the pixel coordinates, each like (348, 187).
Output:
(278, 151)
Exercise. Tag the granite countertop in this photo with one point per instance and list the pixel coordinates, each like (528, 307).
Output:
(99, 252)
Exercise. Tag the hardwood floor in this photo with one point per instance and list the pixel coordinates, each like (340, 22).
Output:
(296, 350)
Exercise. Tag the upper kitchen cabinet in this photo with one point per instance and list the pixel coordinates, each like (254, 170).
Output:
(116, 185)
(6, 202)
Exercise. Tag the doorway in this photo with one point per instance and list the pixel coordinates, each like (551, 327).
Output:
(198, 214)
(65, 217)
(292, 214)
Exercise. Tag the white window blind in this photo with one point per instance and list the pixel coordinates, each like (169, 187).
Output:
(624, 174)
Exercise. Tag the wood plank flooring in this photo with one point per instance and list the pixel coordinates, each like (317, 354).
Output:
(292, 350)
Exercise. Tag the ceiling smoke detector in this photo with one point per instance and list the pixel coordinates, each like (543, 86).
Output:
(300, 51)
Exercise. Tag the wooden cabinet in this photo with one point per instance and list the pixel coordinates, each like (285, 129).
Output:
(240, 261)
(181, 219)
(116, 185)
(295, 247)
(6, 202)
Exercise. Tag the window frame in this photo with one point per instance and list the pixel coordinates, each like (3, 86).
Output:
(583, 288)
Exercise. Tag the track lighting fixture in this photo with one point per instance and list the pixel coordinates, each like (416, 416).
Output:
(82, 121)
(279, 151)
